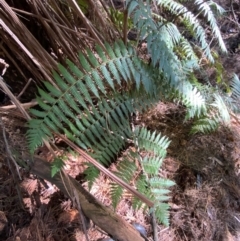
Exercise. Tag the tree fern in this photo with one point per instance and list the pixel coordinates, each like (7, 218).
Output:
(69, 106)
(93, 110)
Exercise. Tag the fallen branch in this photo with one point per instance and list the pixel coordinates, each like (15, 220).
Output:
(102, 216)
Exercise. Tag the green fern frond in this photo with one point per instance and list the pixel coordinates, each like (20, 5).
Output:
(75, 92)
(177, 9)
(154, 147)
(204, 7)
(151, 142)
(56, 165)
(216, 8)
(222, 108)
(93, 105)
(151, 165)
(234, 99)
(162, 211)
(91, 174)
(150, 183)
(205, 125)
(126, 170)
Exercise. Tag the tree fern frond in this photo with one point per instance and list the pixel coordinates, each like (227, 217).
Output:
(143, 187)
(205, 125)
(214, 6)
(151, 165)
(152, 142)
(222, 109)
(74, 92)
(205, 8)
(149, 183)
(161, 211)
(191, 21)
(234, 99)
(91, 174)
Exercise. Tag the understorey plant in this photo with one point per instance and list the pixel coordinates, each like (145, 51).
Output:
(93, 102)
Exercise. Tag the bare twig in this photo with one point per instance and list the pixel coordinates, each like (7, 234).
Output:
(76, 197)
(16, 39)
(107, 172)
(9, 150)
(20, 108)
(234, 15)
(154, 226)
(87, 23)
(13, 98)
(25, 87)
(24, 105)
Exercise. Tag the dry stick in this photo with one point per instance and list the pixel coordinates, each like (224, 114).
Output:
(72, 193)
(107, 172)
(13, 160)
(102, 216)
(25, 87)
(35, 46)
(13, 98)
(13, 61)
(86, 22)
(234, 15)
(235, 117)
(8, 30)
(24, 105)
(154, 225)
(5, 66)
(19, 106)
(8, 150)
(57, 31)
(55, 23)
(80, 213)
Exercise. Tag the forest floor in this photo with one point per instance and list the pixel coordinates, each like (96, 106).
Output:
(204, 203)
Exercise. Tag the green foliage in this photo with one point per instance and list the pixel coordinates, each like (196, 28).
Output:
(83, 4)
(94, 106)
(90, 109)
(149, 183)
(118, 18)
(57, 165)
(154, 147)
(234, 97)
(165, 37)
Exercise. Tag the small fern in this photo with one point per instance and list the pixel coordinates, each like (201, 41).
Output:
(153, 146)
(149, 182)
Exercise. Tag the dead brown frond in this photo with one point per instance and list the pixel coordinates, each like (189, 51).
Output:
(36, 35)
